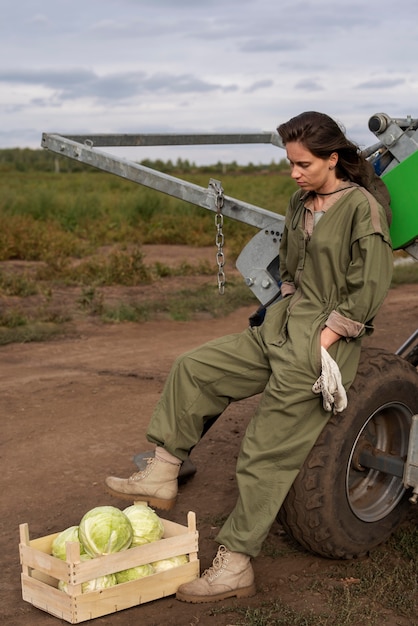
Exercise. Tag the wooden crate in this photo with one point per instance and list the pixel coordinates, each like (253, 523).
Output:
(41, 572)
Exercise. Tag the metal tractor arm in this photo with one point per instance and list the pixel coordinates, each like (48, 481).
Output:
(258, 261)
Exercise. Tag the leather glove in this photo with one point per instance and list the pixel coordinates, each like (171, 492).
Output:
(334, 397)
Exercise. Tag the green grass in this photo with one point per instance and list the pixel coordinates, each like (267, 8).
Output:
(64, 221)
(28, 332)
(43, 215)
(274, 613)
(43, 323)
(86, 229)
(13, 284)
(184, 305)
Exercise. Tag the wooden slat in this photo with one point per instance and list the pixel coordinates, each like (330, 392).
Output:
(24, 540)
(47, 598)
(44, 562)
(155, 551)
(134, 593)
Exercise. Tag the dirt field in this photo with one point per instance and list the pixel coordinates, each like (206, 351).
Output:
(75, 410)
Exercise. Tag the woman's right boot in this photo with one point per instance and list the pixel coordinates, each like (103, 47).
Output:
(156, 484)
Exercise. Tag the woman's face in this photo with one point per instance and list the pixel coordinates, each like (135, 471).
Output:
(310, 172)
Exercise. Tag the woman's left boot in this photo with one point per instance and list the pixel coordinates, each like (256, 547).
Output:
(231, 575)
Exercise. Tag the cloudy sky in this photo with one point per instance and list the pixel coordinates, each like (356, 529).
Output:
(141, 66)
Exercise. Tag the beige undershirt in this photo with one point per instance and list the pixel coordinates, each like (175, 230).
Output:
(312, 217)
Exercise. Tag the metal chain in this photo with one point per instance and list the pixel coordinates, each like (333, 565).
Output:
(220, 239)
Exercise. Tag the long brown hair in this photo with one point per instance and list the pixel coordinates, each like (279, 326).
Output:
(322, 136)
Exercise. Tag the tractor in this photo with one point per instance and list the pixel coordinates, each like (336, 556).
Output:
(361, 476)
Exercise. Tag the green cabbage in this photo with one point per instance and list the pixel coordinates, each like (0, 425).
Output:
(133, 573)
(146, 524)
(102, 582)
(165, 564)
(58, 545)
(104, 530)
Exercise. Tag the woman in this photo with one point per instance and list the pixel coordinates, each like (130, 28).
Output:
(336, 267)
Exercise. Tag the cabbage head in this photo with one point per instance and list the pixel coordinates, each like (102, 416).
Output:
(104, 530)
(146, 524)
(165, 564)
(133, 573)
(58, 545)
(102, 582)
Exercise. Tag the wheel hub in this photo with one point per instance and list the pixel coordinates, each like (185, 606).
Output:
(374, 483)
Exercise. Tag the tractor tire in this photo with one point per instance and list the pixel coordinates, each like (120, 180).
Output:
(336, 508)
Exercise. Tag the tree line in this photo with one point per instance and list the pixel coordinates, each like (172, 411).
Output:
(40, 160)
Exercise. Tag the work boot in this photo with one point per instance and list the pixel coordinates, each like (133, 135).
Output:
(231, 575)
(156, 485)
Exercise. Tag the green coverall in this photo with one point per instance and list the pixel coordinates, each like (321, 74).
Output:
(341, 275)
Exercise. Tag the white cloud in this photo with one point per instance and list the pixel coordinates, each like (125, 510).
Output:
(385, 82)
(309, 85)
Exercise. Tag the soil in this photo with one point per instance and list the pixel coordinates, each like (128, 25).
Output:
(75, 409)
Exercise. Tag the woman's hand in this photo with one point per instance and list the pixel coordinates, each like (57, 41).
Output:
(328, 337)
